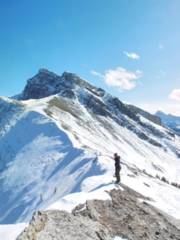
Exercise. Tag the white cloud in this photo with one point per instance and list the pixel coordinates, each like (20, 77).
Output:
(175, 95)
(93, 72)
(132, 55)
(120, 78)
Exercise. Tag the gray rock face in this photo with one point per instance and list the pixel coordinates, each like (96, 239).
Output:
(43, 84)
(130, 218)
(60, 225)
(46, 83)
(124, 216)
(154, 118)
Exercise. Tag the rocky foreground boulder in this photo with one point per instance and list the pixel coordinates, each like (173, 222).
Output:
(128, 215)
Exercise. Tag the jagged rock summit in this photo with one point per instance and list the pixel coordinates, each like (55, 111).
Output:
(46, 83)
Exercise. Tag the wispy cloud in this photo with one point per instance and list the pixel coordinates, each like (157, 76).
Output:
(120, 78)
(175, 95)
(161, 74)
(161, 46)
(132, 55)
(95, 73)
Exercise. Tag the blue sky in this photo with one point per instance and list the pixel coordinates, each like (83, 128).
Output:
(130, 48)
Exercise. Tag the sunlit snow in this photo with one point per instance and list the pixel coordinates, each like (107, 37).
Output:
(56, 161)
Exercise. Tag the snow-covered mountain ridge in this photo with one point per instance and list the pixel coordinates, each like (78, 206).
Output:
(69, 85)
(58, 137)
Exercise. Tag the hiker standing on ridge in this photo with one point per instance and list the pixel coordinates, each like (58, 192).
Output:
(117, 167)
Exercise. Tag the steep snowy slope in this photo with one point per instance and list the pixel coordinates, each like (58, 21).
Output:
(63, 143)
(36, 158)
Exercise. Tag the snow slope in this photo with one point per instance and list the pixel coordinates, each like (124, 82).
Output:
(11, 232)
(38, 157)
(56, 152)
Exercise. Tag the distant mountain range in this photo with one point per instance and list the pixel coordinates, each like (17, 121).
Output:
(170, 121)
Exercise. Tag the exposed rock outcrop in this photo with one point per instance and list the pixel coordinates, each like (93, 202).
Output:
(127, 215)
(130, 216)
(46, 83)
(60, 225)
(151, 117)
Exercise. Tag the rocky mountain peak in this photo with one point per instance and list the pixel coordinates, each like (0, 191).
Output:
(95, 100)
(46, 83)
(44, 71)
(71, 76)
(43, 84)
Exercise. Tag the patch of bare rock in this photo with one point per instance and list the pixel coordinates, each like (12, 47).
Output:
(127, 215)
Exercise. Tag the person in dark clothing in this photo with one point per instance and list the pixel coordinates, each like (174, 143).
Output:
(117, 167)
